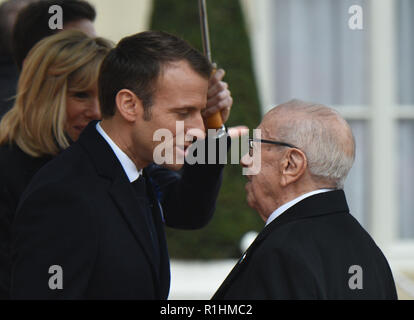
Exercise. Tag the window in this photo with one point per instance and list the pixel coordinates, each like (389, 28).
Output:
(304, 49)
(405, 111)
(314, 56)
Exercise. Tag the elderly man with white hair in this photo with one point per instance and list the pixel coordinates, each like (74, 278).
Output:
(311, 246)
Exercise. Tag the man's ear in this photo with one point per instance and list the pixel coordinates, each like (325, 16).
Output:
(293, 166)
(129, 105)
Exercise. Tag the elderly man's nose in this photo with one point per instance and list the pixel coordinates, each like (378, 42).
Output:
(246, 161)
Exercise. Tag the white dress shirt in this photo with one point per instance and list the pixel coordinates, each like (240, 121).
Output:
(291, 203)
(127, 164)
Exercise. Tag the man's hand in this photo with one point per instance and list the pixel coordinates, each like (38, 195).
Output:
(218, 97)
(238, 131)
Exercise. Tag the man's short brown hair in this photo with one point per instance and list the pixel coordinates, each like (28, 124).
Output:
(136, 63)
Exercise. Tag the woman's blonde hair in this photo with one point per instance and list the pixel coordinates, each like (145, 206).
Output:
(67, 61)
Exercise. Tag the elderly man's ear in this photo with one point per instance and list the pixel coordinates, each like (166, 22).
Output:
(129, 105)
(292, 167)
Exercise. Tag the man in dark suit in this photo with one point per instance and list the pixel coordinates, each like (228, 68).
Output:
(91, 223)
(311, 246)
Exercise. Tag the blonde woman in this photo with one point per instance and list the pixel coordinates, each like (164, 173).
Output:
(56, 98)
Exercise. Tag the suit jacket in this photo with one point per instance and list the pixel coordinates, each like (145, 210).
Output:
(307, 253)
(81, 213)
(16, 170)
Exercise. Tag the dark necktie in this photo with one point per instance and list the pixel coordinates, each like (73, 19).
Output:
(141, 192)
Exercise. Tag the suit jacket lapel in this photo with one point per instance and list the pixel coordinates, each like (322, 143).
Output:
(132, 211)
(159, 225)
(121, 191)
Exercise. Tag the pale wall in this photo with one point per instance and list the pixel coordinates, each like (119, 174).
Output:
(119, 18)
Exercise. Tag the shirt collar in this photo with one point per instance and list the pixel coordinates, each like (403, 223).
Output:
(291, 203)
(127, 164)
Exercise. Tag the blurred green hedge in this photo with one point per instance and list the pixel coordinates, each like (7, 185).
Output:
(231, 51)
